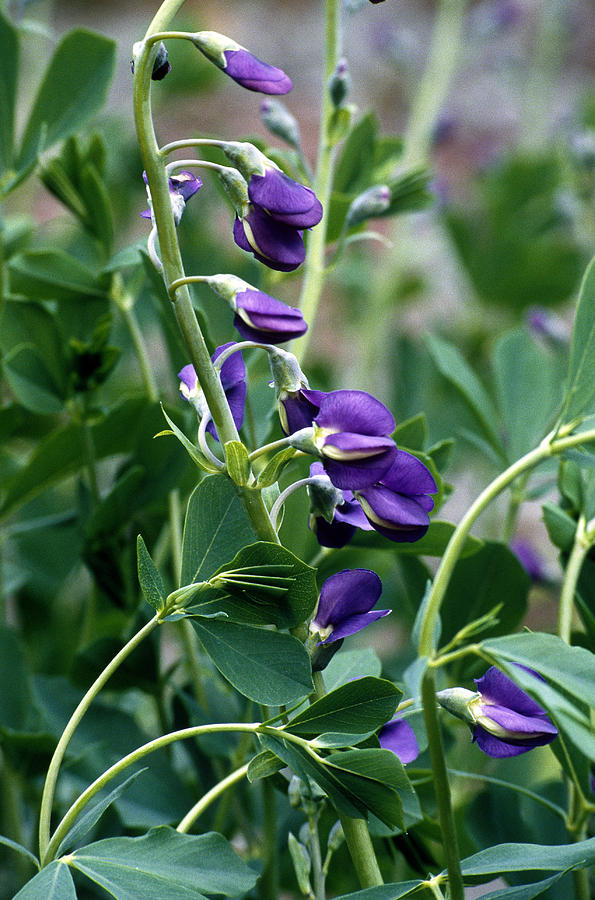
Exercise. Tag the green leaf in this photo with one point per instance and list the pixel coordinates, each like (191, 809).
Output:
(529, 858)
(52, 883)
(53, 275)
(274, 467)
(358, 707)
(73, 89)
(412, 432)
(393, 891)
(525, 891)
(9, 69)
(265, 585)
(150, 580)
(98, 217)
(93, 813)
(216, 526)
(262, 765)
(266, 666)
(18, 848)
(238, 464)
(188, 446)
(377, 778)
(354, 167)
(451, 364)
(165, 863)
(350, 664)
(580, 386)
(526, 378)
(560, 526)
(491, 577)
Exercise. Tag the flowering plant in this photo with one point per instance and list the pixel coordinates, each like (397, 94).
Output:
(201, 698)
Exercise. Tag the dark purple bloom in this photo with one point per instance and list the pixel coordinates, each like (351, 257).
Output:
(254, 74)
(397, 506)
(233, 381)
(399, 737)
(262, 318)
(346, 515)
(351, 432)
(530, 560)
(181, 187)
(284, 199)
(508, 721)
(277, 245)
(345, 603)
(297, 409)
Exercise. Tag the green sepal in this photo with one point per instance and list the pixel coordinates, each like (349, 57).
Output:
(271, 472)
(262, 765)
(150, 580)
(188, 446)
(238, 464)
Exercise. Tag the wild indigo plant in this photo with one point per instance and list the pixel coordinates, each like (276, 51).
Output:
(296, 489)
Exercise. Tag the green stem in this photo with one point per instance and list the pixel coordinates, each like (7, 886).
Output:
(173, 269)
(318, 874)
(125, 304)
(54, 767)
(269, 881)
(582, 544)
(314, 265)
(135, 756)
(197, 810)
(436, 81)
(548, 447)
(442, 788)
(357, 836)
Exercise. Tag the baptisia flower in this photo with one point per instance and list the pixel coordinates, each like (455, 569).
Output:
(505, 720)
(399, 737)
(233, 381)
(352, 435)
(334, 514)
(241, 65)
(345, 605)
(398, 505)
(181, 187)
(258, 317)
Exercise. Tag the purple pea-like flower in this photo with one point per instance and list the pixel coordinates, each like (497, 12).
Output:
(507, 721)
(399, 737)
(397, 506)
(277, 245)
(284, 199)
(297, 409)
(351, 433)
(259, 317)
(346, 516)
(345, 604)
(233, 381)
(254, 74)
(181, 187)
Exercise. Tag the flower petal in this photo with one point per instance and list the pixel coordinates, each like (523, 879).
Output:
(498, 688)
(254, 74)
(347, 593)
(399, 737)
(354, 624)
(355, 411)
(408, 475)
(285, 199)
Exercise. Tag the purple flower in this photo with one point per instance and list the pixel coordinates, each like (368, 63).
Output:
(284, 199)
(351, 432)
(233, 381)
(181, 187)
(399, 737)
(507, 721)
(530, 560)
(397, 506)
(345, 603)
(262, 318)
(346, 515)
(254, 74)
(297, 409)
(277, 245)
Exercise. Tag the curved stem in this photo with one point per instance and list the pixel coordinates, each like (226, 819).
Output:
(314, 266)
(191, 142)
(269, 448)
(157, 744)
(442, 788)
(547, 448)
(276, 508)
(579, 551)
(54, 767)
(202, 443)
(197, 810)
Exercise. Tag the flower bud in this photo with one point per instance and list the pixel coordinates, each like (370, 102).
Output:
(372, 203)
(237, 62)
(339, 83)
(279, 121)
